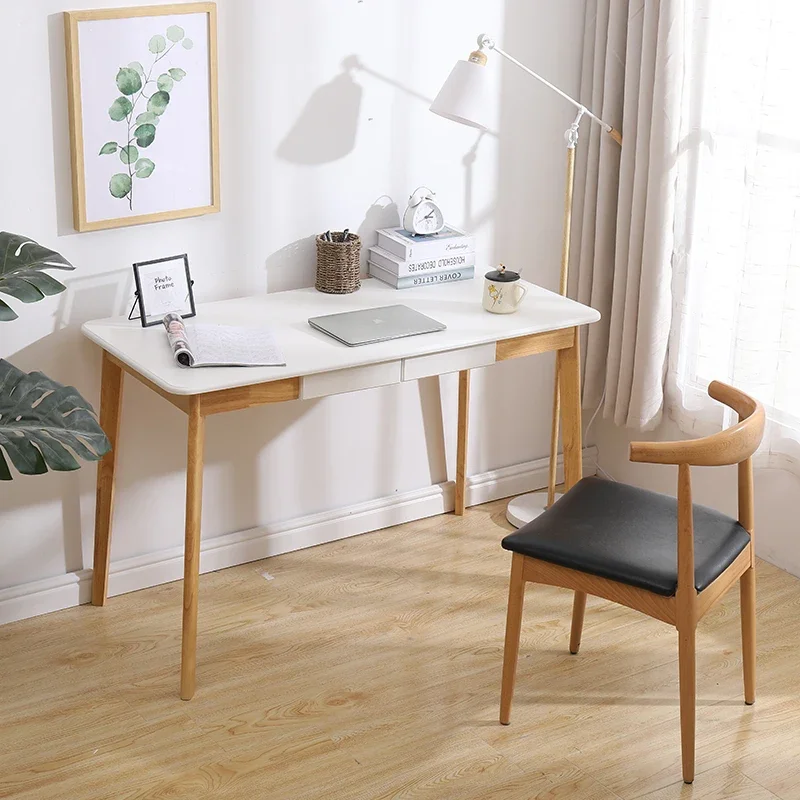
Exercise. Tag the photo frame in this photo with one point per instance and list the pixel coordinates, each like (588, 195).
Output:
(144, 137)
(164, 285)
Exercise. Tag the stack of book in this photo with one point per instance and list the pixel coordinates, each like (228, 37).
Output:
(403, 260)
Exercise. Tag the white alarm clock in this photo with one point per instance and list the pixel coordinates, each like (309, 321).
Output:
(423, 216)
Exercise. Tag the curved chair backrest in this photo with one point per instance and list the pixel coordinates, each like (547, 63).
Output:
(731, 446)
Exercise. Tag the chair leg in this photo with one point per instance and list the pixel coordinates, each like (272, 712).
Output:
(686, 661)
(747, 595)
(578, 611)
(516, 596)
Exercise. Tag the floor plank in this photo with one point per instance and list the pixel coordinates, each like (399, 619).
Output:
(370, 668)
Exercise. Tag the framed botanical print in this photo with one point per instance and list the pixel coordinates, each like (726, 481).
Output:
(143, 116)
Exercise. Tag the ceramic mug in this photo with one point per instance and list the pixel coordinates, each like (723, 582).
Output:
(502, 291)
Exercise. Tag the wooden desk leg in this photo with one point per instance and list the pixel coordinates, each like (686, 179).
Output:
(461, 442)
(110, 406)
(569, 376)
(191, 554)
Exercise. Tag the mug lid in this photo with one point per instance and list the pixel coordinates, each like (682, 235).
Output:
(502, 275)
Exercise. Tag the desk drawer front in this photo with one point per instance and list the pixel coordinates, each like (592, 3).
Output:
(452, 361)
(350, 380)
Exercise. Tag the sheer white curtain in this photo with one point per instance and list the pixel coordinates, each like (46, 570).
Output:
(736, 258)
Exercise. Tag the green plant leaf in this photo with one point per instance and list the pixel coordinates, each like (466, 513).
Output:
(188, 44)
(21, 290)
(46, 284)
(145, 134)
(176, 73)
(135, 65)
(158, 102)
(6, 312)
(120, 109)
(164, 83)
(128, 154)
(128, 81)
(144, 168)
(108, 148)
(175, 33)
(21, 262)
(158, 44)
(147, 118)
(40, 419)
(22, 265)
(120, 184)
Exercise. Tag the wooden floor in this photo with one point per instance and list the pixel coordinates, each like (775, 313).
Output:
(370, 668)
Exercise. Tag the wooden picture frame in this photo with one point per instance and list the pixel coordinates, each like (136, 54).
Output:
(185, 138)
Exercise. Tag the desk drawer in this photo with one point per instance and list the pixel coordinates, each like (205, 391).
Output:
(480, 355)
(349, 380)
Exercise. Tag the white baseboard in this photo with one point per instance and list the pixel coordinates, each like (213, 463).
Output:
(131, 574)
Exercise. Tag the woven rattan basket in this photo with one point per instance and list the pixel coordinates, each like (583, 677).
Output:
(339, 263)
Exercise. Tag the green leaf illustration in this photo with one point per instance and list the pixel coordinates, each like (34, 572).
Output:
(128, 154)
(133, 82)
(120, 184)
(128, 81)
(147, 118)
(158, 44)
(120, 109)
(158, 102)
(164, 83)
(144, 168)
(145, 134)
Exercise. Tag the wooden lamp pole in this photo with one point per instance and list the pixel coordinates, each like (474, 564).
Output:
(526, 507)
(463, 98)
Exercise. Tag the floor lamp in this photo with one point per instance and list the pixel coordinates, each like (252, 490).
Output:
(464, 98)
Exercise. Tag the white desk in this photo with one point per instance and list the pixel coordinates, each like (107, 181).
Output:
(316, 366)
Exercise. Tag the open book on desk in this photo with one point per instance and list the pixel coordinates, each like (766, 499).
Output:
(209, 345)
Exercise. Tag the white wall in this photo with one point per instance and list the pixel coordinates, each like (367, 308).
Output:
(776, 491)
(323, 115)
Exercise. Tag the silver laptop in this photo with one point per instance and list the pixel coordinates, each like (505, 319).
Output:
(375, 325)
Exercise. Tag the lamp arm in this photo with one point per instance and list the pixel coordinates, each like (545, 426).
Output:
(489, 44)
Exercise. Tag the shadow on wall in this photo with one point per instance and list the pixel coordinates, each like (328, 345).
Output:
(382, 213)
(294, 265)
(326, 129)
(68, 357)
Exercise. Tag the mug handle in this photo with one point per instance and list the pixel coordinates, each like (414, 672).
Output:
(523, 291)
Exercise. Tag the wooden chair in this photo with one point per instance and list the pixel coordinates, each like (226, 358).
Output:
(664, 557)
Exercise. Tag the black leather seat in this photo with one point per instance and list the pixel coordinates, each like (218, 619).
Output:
(629, 535)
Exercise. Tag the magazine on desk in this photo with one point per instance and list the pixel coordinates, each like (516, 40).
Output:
(209, 345)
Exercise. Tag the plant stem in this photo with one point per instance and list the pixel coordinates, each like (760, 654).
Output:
(129, 117)
(128, 154)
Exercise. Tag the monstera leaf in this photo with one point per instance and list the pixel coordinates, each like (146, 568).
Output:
(22, 265)
(40, 419)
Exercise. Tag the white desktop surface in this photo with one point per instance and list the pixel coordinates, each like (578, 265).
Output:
(307, 351)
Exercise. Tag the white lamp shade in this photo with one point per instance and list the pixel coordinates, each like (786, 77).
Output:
(465, 96)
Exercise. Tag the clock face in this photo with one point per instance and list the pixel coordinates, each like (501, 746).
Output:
(427, 218)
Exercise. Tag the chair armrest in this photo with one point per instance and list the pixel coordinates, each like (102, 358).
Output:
(686, 451)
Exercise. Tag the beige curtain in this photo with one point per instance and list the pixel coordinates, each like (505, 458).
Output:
(624, 202)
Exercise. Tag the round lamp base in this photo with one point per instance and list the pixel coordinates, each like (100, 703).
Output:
(521, 510)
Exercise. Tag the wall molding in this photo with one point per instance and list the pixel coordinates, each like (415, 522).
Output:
(130, 574)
